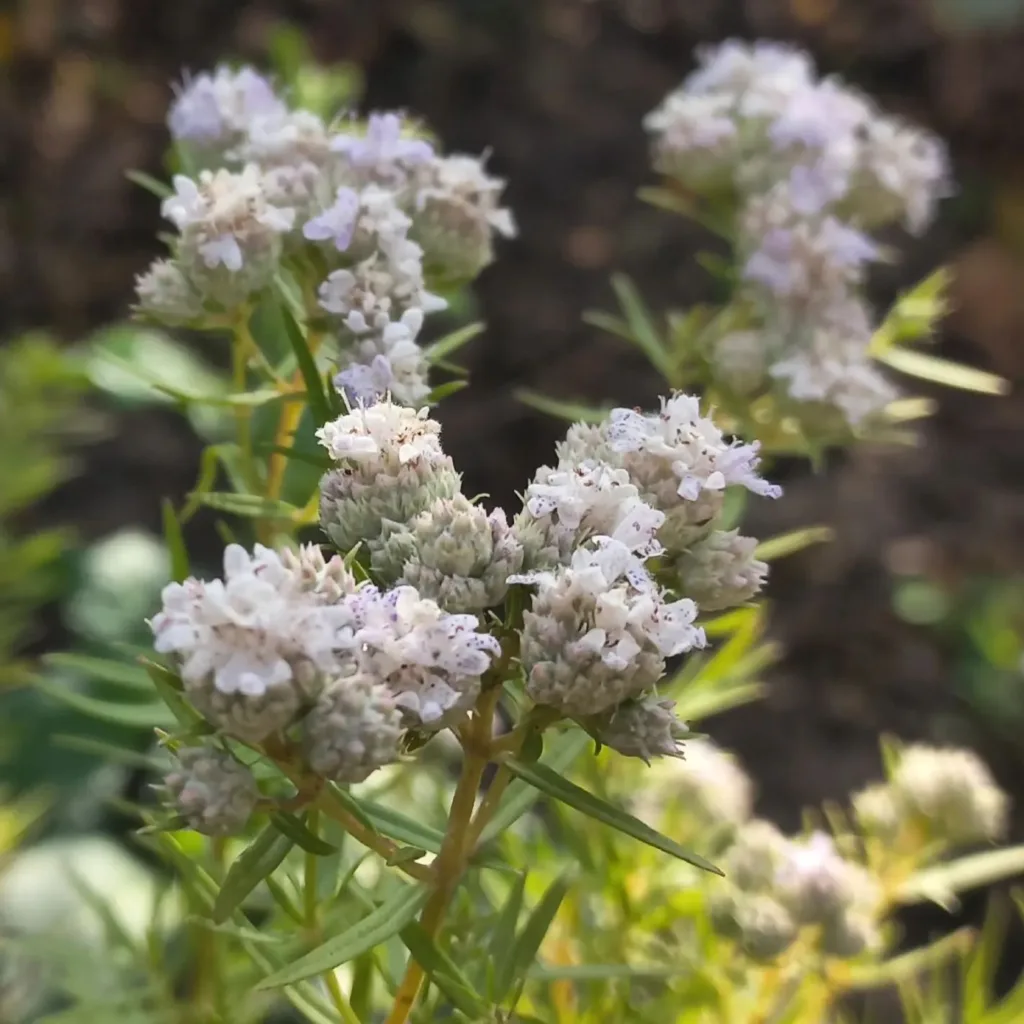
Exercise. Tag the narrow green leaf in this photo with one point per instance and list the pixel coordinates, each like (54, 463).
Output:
(309, 458)
(520, 797)
(248, 505)
(554, 785)
(391, 823)
(573, 411)
(942, 371)
(607, 322)
(151, 715)
(942, 883)
(168, 686)
(175, 541)
(283, 900)
(790, 543)
(442, 391)
(642, 333)
(603, 972)
(108, 751)
(911, 965)
(444, 347)
(537, 925)
(315, 393)
(153, 185)
(295, 829)
(387, 920)
(443, 971)
(503, 940)
(103, 670)
(261, 857)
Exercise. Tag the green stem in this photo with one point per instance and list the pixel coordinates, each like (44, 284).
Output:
(241, 346)
(456, 847)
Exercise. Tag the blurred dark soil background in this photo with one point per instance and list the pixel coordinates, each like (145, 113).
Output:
(557, 90)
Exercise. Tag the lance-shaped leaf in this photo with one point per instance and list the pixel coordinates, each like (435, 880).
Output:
(175, 541)
(941, 884)
(503, 940)
(259, 859)
(450, 343)
(149, 715)
(295, 829)
(790, 543)
(536, 927)
(554, 785)
(103, 670)
(377, 927)
(443, 971)
(642, 331)
(572, 411)
(925, 366)
(248, 505)
(316, 394)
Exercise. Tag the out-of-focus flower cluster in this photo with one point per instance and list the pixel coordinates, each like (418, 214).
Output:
(805, 167)
(827, 893)
(365, 211)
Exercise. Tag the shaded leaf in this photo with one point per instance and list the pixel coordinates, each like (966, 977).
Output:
(104, 670)
(554, 785)
(259, 859)
(175, 541)
(443, 971)
(296, 830)
(315, 392)
(249, 505)
(642, 331)
(444, 347)
(387, 920)
(572, 411)
(151, 715)
(155, 186)
(942, 883)
(503, 940)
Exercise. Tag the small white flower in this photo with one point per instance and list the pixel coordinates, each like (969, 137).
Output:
(689, 445)
(383, 435)
(598, 630)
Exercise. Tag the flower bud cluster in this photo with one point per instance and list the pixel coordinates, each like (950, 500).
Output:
(810, 165)
(624, 491)
(777, 886)
(280, 191)
(212, 791)
(944, 795)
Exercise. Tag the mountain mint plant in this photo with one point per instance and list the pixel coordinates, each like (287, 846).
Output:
(376, 635)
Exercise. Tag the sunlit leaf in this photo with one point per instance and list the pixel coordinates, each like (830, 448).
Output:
(248, 505)
(315, 391)
(790, 543)
(155, 186)
(941, 884)
(943, 371)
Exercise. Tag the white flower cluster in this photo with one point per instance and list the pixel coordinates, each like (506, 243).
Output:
(947, 793)
(374, 204)
(812, 165)
(289, 637)
(777, 886)
(599, 629)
